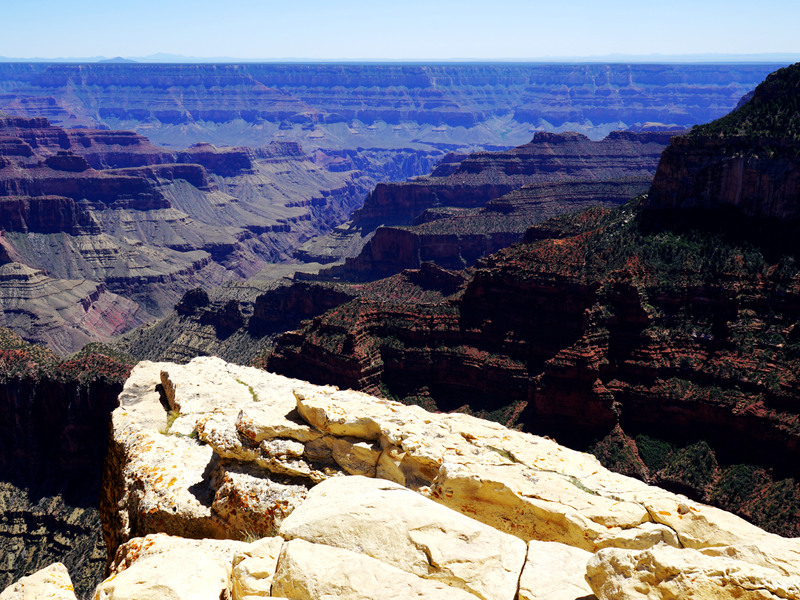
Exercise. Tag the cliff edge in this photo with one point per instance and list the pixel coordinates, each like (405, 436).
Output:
(351, 496)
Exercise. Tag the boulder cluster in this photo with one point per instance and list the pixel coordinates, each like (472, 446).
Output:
(225, 481)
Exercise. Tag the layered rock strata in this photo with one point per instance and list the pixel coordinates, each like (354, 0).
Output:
(352, 105)
(592, 325)
(431, 505)
(456, 238)
(403, 216)
(745, 163)
(484, 176)
(108, 214)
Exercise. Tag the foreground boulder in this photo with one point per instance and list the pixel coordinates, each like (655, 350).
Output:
(52, 583)
(663, 573)
(388, 522)
(162, 569)
(359, 497)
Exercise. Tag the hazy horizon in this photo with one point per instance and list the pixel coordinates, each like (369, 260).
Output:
(411, 31)
(160, 58)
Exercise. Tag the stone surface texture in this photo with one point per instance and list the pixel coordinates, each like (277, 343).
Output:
(663, 572)
(161, 569)
(389, 522)
(451, 506)
(254, 567)
(554, 571)
(50, 583)
(308, 571)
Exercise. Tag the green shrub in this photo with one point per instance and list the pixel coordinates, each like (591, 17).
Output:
(655, 453)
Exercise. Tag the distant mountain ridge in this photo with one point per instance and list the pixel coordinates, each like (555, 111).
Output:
(350, 105)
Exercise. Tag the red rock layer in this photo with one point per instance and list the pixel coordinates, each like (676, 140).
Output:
(595, 324)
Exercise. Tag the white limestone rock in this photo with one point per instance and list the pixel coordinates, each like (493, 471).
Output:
(248, 445)
(554, 571)
(309, 571)
(50, 583)
(163, 567)
(521, 484)
(388, 522)
(252, 502)
(254, 568)
(666, 573)
(183, 478)
(158, 482)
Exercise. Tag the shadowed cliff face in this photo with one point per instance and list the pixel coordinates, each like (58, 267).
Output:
(54, 421)
(708, 174)
(351, 106)
(745, 163)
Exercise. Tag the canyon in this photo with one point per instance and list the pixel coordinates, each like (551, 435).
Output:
(469, 207)
(429, 218)
(352, 496)
(103, 231)
(372, 106)
(658, 333)
(661, 335)
(53, 440)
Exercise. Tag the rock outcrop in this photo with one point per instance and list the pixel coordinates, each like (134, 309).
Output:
(359, 497)
(745, 163)
(52, 582)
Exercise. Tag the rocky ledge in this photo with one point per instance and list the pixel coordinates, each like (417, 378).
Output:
(273, 487)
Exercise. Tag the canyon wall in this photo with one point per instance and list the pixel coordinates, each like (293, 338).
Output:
(102, 230)
(53, 439)
(352, 106)
(429, 218)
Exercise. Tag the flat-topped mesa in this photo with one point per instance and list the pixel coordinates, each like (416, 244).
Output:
(460, 193)
(220, 161)
(194, 174)
(101, 148)
(458, 238)
(484, 176)
(214, 450)
(43, 160)
(277, 151)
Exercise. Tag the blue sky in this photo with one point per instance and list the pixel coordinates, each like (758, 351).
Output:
(408, 29)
